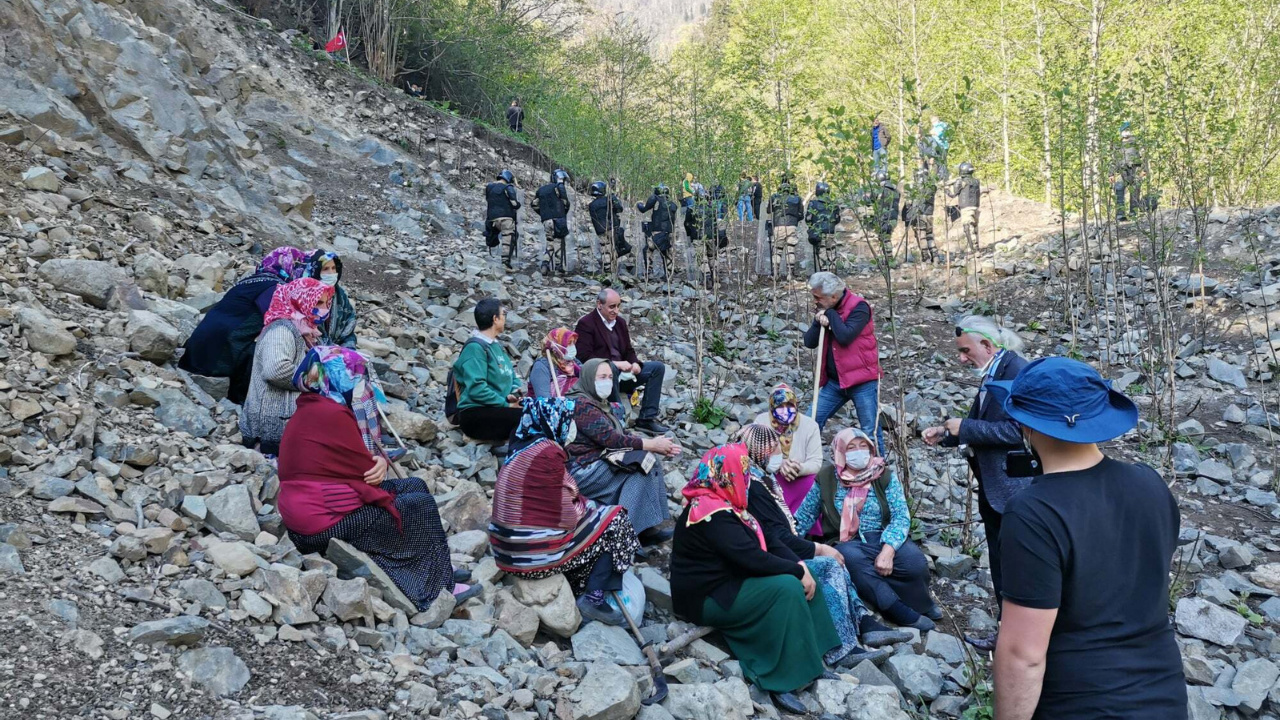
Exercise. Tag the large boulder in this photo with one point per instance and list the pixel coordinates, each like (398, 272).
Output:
(597, 641)
(349, 599)
(94, 281)
(44, 334)
(875, 702)
(917, 676)
(151, 337)
(182, 630)
(552, 598)
(231, 510)
(701, 701)
(42, 179)
(216, 669)
(1201, 619)
(608, 692)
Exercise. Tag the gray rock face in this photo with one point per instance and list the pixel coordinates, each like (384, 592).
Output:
(94, 281)
(151, 337)
(1202, 619)
(875, 702)
(218, 670)
(915, 675)
(608, 692)
(349, 599)
(10, 561)
(701, 702)
(231, 510)
(44, 334)
(182, 630)
(597, 641)
(1225, 372)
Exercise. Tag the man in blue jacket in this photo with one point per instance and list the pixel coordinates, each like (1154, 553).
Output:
(987, 434)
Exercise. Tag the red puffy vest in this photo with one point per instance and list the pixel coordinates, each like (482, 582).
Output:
(859, 361)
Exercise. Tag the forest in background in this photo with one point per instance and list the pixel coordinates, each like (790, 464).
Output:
(1035, 92)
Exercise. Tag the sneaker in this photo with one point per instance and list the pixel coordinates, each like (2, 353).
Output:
(463, 592)
(600, 613)
(858, 654)
(881, 638)
(651, 426)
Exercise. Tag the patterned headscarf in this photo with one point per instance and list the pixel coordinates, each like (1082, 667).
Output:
(543, 419)
(760, 440)
(557, 342)
(315, 264)
(784, 395)
(294, 301)
(857, 483)
(344, 377)
(720, 485)
(285, 262)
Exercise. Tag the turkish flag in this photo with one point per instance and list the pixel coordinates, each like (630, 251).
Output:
(338, 42)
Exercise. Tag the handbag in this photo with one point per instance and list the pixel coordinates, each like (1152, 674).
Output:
(632, 461)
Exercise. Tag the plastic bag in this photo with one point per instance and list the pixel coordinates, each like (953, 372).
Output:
(632, 594)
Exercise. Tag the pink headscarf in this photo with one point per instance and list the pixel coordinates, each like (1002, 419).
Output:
(857, 483)
(294, 301)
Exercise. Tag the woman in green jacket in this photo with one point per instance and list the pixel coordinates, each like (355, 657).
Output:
(489, 391)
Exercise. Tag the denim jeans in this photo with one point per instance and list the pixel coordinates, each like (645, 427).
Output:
(865, 402)
(744, 209)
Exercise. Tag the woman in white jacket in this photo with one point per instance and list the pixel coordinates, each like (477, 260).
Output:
(801, 457)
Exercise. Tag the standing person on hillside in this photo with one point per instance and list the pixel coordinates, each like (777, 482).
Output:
(1086, 551)
(918, 213)
(987, 434)
(659, 227)
(686, 191)
(757, 195)
(1129, 169)
(606, 219)
(850, 368)
(968, 192)
(746, 211)
(880, 139)
(551, 202)
(502, 201)
(887, 202)
(821, 217)
(786, 210)
(515, 116)
(940, 140)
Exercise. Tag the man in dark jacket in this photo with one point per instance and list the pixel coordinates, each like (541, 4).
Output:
(887, 200)
(603, 334)
(987, 434)
(660, 226)
(821, 217)
(1129, 169)
(606, 219)
(968, 193)
(502, 202)
(515, 116)
(757, 195)
(551, 202)
(918, 212)
(786, 210)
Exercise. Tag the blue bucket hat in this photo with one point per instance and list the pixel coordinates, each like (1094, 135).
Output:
(1066, 399)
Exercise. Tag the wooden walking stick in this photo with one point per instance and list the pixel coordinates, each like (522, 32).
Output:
(817, 369)
(555, 384)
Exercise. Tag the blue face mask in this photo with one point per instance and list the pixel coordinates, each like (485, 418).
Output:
(785, 414)
(319, 315)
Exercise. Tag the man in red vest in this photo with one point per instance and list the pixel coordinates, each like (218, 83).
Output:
(850, 357)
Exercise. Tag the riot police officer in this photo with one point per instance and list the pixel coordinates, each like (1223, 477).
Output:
(968, 192)
(887, 201)
(1129, 170)
(606, 219)
(551, 202)
(918, 212)
(657, 231)
(500, 216)
(821, 217)
(786, 210)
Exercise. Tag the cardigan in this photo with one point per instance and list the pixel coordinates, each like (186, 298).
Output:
(806, 442)
(710, 559)
(484, 374)
(777, 530)
(597, 434)
(272, 397)
(870, 520)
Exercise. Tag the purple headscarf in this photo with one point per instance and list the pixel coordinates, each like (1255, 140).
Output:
(285, 262)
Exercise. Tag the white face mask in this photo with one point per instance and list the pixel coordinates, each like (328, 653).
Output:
(572, 435)
(857, 459)
(604, 388)
(330, 279)
(775, 464)
(571, 352)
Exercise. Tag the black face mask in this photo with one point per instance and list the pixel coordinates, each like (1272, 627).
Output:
(1023, 463)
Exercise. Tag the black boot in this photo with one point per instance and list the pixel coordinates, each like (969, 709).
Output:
(789, 703)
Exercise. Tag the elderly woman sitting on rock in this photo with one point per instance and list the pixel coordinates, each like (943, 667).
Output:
(542, 524)
(334, 486)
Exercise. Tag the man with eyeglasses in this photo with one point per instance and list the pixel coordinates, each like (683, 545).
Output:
(602, 333)
(986, 434)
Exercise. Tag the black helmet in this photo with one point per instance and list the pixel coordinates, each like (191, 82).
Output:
(507, 176)
(559, 176)
(598, 188)
(821, 189)
(661, 190)
(882, 176)
(966, 168)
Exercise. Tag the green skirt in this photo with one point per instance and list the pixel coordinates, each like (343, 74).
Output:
(778, 637)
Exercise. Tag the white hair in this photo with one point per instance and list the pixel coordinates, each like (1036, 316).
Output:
(987, 328)
(826, 283)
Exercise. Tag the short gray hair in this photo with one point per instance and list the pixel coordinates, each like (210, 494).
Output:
(603, 296)
(986, 327)
(826, 283)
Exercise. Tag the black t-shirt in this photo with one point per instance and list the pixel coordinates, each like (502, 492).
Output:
(1097, 544)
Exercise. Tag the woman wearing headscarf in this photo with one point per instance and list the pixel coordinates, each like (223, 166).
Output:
(725, 574)
(767, 505)
(555, 378)
(865, 515)
(223, 343)
(289, 330)
(601, 435)
(543, 525)
(340, 327)
(333, 481)
(801, 441)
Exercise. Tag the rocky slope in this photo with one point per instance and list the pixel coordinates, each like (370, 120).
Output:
(150, 151)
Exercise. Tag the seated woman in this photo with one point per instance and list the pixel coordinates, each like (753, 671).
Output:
(853, 498)
(724, 574)
(543, 525)
(223, 343)
(600, 434)
(289, 330)
(333, 482)
(488, 389)
(801, 445)
(768, 506)
(546, 380)
(340, 327)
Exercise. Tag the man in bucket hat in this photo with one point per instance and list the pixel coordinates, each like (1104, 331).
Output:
(1086, 550)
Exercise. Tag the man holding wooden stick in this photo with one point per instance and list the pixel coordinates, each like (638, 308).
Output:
(849, 359)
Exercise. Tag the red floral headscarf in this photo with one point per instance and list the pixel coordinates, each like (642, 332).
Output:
(294, 301)
(720, 485)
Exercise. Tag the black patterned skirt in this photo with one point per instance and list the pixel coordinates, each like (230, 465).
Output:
(618, 539)
(416, 559)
